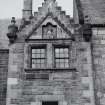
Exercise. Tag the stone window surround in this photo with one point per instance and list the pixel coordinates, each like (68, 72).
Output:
(39, 58)
(29, 47)
(61, 46)
(29, 53)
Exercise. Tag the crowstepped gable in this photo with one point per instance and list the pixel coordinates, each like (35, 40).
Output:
(49, 9)
(49, 58)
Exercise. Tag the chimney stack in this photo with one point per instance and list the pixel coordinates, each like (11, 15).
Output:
(27, 10)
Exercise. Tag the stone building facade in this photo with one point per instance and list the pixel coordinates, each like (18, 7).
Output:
(53, 59)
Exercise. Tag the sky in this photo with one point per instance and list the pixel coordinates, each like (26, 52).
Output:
(13, 8)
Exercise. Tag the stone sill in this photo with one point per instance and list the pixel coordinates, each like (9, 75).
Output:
(30, 70)
(4, 50)
(54, 39)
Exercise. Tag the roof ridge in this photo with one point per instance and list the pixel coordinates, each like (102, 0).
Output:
(39, 16)
(45, 5)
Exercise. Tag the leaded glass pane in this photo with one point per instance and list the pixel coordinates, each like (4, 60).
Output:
(62, 57)
(38, 57)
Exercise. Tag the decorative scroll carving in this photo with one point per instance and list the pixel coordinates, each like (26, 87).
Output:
(49, 31)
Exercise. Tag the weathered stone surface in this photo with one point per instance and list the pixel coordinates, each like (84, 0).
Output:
(3, 75)
(83, 83)
(92, 11)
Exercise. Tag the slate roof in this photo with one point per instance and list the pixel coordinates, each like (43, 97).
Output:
(94, 10)
(59, 16)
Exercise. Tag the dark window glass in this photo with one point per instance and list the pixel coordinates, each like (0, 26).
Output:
(62, 57)
(49, 103)
(38, 57)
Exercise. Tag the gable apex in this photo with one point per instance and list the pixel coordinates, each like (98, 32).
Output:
(48, 8)
(40, 22)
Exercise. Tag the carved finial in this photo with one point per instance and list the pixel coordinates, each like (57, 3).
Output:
(13, 20)
(12, 30)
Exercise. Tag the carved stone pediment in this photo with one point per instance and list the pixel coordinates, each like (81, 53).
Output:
(49, 31)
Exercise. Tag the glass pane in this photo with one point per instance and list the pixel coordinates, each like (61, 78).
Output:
(37, 65)
(33, 66)
(62, 65)
(57, 60)
(42, 65)
(33, 61)
(57, 50)
(38, 61)
(66, 65)
(42, 55)
(62, 55)
(42, 50)
(66, 55)
(61, 61)
(37, 55)
(66, 50)
(66, 60)
(33, 56)
(38, 58)
(60, 50)
(42, 61)
(57, 55)
(33, 50)
(57, 65)
(101, 31)
(38, 51)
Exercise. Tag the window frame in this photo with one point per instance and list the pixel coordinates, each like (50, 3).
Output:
(61, 46)
(38, 47)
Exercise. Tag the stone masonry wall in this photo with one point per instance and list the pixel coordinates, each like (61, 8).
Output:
(84, 66)
(94, 10)
(3, 75)
(61, 86)
(98, 48)
(67, 87)
(72, 86)
(15, 68)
